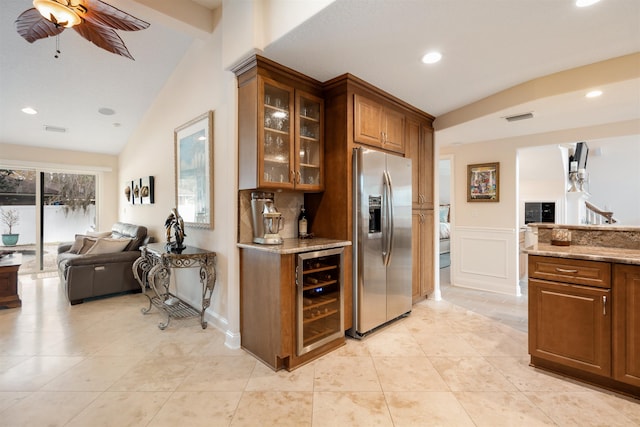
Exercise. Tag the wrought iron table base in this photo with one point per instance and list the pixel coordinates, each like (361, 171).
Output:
(153, 270)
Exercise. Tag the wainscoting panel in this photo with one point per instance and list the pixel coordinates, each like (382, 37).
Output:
(486, 259)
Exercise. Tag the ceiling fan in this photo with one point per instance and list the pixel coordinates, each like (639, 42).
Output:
(94, 20)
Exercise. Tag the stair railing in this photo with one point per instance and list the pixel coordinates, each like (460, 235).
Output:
(595, 215)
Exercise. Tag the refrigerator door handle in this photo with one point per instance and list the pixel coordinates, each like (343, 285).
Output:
(387, 232)
(384, 220)
(391, 215)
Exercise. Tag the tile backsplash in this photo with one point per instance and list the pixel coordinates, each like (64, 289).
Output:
(287, 203)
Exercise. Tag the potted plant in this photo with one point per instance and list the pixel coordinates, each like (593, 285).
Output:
(9, 217)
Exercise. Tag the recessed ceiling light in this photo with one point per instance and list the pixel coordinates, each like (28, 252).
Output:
(29, 110)
(594, 94)
(585, 3)
(432, 57)
(106, 111)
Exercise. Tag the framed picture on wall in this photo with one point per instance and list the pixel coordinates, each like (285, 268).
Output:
(483, 182)
(194, 171)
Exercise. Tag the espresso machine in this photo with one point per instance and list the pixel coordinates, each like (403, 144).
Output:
(266, 220)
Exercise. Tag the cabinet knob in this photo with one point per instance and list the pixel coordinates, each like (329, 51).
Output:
(298, 177)
(604, 305)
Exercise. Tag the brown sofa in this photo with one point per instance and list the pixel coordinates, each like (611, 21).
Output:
(87, 275)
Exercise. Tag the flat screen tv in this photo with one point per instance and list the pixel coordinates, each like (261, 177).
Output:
(581, 154)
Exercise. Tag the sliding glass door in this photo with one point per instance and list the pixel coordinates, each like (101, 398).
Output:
(51, 208)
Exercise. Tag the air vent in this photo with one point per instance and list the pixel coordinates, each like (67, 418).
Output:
(518, 117)
(49, 128)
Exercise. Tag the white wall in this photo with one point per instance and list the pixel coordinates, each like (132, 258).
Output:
(444, 181)
(59, 226)
(202, 82)
(541, 177)
(614, 177)
(198, 84)
(484, 234)
(481, 229)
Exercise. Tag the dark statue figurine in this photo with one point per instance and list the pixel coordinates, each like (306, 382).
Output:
(174, 221)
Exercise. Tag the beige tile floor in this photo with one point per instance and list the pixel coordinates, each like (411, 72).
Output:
(103, 363)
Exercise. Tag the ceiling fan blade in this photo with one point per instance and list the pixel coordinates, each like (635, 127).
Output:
(103, 37)
(32, 26)
(104, 14)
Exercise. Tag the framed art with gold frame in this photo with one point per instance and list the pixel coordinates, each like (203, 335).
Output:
(483, 182)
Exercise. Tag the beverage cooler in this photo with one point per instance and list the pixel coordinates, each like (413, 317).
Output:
(319, 299)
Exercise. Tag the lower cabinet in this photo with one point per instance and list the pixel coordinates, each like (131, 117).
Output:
(584, 320)
(291, 305)
(626, 324)
(570, 324)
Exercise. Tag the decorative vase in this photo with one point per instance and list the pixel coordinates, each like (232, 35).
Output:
(10, 239)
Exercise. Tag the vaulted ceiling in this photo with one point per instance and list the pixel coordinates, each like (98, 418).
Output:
(488, 46)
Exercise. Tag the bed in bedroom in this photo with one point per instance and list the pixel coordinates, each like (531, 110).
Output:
(445, 229)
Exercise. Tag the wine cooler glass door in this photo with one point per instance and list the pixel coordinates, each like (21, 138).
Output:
(320, 315)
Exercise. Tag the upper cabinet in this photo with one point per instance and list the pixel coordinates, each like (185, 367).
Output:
(276, 138)
(280, 128)
(309, 149)
(378, 125)
(419, 139)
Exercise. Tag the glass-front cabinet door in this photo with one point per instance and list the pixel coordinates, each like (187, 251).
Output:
(276, 141)
(309, 141)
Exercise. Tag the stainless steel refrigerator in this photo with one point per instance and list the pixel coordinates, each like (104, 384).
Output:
(381, 239)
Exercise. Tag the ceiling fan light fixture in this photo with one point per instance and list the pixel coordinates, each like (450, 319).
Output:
(58, 13)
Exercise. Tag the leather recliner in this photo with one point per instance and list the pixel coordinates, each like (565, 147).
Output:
(92, 275)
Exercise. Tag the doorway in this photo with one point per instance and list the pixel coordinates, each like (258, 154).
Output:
(444, 213)
(45, 208)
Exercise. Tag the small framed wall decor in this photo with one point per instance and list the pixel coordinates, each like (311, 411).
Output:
(146, 190)
(128, 192)
(483, 182)
(139, 191)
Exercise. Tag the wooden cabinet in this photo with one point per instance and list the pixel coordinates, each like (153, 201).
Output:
(286, 319)
(570, 323)
(280, 129)
(349, 100)
(9, 266)
(584, 320)
(626, 324)
(309, 147)
(419, 139)
(422, 254)
(378, 126)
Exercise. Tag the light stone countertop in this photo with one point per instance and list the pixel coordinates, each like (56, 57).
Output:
(587, 227)
(591, 253)
(294, 246)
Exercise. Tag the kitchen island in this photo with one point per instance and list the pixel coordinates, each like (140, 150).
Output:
(292, 300)
(584, 305)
